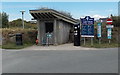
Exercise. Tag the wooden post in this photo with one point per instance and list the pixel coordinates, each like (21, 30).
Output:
(55, 33)
(38, 25)
(84, 40)
(109, 41)
(99, 40)
(91, 40)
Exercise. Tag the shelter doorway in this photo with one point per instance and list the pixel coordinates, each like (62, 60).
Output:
(49, 27)
(48, 38)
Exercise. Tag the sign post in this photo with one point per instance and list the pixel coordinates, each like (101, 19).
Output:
(87, 29)
(48, 38)
(109, 34)
(109, 29)
(91, 40)
(99, 31)
(84, 40)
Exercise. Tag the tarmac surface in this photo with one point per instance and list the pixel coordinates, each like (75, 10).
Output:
(62, 59)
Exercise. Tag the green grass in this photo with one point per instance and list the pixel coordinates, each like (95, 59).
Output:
(88, 44)
(14, 46)
(102, 45)
(0, 46)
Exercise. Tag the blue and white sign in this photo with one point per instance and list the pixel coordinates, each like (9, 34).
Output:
(49, 35)
(109, 33)
(109, 26)
(87, 20)
(87, 27)
(99, 30)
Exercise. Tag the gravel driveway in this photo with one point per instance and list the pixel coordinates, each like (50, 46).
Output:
(59, 47)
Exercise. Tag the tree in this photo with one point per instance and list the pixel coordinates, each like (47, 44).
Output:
(116, 20)
(4, 20)
(18, 24)
(0, 20)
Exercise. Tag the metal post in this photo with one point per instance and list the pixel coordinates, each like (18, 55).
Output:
(48, 38)
(47, 41)
(22, 18)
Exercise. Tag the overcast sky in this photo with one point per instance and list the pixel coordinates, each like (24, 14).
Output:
(77, 9)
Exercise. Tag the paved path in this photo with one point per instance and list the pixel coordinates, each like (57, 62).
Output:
(59, 47)
(60, 61)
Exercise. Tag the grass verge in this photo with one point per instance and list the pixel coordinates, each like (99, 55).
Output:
(14, 46)
(0, 46)
(102, 45)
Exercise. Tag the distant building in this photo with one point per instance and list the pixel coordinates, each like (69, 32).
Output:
(33, 22)
(55, 23)
(103, 19)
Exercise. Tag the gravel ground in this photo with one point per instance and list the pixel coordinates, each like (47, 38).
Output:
(63, 47)
(59, 47)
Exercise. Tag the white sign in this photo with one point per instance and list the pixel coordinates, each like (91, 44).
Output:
(109, 26)
(109, 33)
(99, 29)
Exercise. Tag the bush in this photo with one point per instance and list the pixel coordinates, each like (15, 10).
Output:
(29, 35)
(104, 39)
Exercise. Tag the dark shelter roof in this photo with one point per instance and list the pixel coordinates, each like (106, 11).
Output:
(51, 14)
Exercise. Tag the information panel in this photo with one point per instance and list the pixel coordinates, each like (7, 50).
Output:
(87, 29)
(99, 30)
(109, 33)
